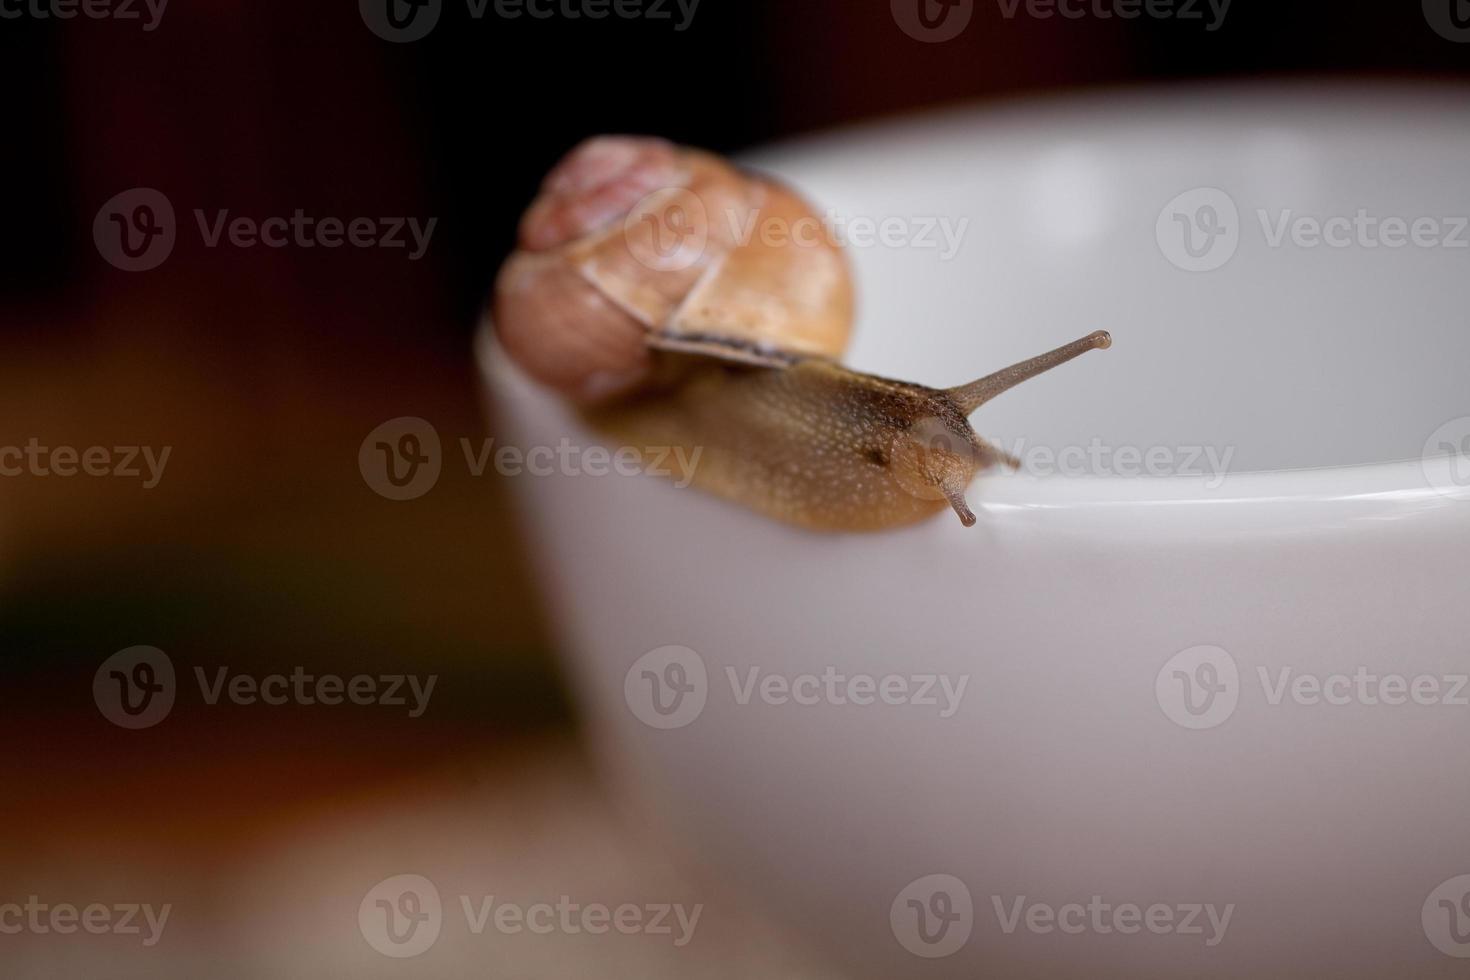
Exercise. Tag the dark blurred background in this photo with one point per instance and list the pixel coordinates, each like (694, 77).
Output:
(262, 548)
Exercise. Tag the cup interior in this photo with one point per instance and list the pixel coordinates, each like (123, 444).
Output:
(1013, 230)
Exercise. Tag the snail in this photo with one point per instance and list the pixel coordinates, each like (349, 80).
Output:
(683, 303)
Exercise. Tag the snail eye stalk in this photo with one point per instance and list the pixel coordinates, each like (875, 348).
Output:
(971, 396)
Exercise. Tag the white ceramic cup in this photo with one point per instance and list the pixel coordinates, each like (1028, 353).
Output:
(1213, 638)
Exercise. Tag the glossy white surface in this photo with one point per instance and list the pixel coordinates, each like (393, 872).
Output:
(1061, 775)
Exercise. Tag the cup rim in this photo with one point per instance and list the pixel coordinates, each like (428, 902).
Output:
(1419, 483)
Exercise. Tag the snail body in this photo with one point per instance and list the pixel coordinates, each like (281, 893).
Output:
(729, 351)
(817, 444)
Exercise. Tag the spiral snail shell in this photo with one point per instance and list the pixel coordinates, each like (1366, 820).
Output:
(639, 292)
(632, 247)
